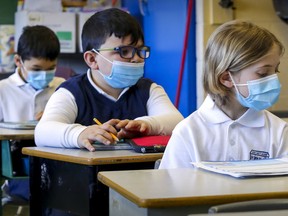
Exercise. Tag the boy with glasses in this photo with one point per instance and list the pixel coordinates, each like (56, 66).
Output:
(113, 90)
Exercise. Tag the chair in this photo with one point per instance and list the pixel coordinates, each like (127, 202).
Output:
(64, 72)
(254, 205)
(7, 200)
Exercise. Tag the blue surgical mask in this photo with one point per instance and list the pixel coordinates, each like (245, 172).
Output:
(263, 93)
(123, 74)
(40, 79)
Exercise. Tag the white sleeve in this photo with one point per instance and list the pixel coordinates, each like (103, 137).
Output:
(176, 154)
(56, 127)
(162, 114)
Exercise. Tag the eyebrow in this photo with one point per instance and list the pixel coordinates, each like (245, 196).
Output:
(40, 66)
(263, 66)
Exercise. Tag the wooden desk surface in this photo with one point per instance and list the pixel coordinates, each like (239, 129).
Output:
(83, 156)
(6, 134)
(188, 187)
(252, 213)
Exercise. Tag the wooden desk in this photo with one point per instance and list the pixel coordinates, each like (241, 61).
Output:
(66, 179)
(256, 213)
(183, 191)
(12, 134)
(6, 136)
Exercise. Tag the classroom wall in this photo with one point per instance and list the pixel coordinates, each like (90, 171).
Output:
(261, 13)
(164, 24)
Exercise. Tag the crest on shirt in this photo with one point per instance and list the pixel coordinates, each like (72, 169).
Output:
(258, 155)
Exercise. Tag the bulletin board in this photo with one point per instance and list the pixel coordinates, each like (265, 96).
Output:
(7, 11)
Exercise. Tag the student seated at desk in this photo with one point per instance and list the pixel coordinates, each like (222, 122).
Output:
(113, 90)
(240, 77)
(24, 94)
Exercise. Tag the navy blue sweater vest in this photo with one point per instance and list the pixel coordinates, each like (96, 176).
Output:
(90, 103)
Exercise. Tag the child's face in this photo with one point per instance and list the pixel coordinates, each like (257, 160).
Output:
(37, 64)
(267, 66)
(112, 42)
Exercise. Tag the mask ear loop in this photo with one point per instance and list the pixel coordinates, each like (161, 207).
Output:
(104, 76)
(22, 65)
(95, 51)
(237, 90)
(234, 82)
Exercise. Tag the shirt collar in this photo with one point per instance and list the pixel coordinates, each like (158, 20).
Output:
(16, 78)
(101, 91)
(210, 112)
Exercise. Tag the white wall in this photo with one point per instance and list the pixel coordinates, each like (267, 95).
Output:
(262, 13)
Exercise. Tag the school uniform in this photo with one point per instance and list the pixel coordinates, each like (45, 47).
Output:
(130, 105)
(208, 134)
(77, 101)
(20, 102)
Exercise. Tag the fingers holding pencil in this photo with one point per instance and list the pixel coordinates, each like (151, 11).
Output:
(94, 133)
(113, 135)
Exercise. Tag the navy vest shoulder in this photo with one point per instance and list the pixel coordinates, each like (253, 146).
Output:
(91, 103)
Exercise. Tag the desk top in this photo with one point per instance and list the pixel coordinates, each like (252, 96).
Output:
(83, 156)
(251, 213)
(6, 134)
(188, 187)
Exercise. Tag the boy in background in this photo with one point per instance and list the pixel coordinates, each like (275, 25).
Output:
(24, 94)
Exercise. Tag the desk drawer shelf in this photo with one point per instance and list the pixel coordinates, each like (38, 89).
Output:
(13, 165)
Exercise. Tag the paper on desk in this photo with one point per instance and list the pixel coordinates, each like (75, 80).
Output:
(266, 167)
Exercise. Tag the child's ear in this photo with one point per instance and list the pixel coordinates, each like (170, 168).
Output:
(225, 79)
(90, 60)
(17, 60)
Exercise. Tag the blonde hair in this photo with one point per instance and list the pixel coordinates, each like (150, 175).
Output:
(232, 47)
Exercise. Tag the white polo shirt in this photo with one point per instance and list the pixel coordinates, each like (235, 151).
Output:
(209, 134)
(19, 101)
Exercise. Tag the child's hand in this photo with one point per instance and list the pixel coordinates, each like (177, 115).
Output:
(132, 128)
(38, 116)
(100, 133)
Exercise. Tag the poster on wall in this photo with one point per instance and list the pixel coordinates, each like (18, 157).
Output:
(7, 48)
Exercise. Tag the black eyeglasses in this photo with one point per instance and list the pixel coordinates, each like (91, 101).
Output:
(128, 52)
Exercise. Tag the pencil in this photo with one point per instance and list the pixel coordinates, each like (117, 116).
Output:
(99, 123)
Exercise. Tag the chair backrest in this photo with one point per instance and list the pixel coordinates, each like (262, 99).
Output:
(254, 205)
(64, 72)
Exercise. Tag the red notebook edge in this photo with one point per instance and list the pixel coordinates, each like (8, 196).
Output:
(150, 144)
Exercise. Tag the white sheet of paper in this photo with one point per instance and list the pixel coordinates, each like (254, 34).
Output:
(265, 167)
